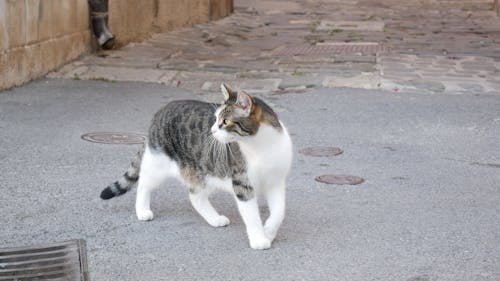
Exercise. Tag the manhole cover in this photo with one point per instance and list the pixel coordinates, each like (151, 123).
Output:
(339, 179)
(114, 138)
(59, 261)
(331, 48)
(321, 151)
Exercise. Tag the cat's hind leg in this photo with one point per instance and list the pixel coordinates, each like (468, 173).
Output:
(156, 167)
(200, 200)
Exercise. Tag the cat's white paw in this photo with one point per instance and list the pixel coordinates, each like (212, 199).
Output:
(260, 243)
(219, 221)
(144, 215)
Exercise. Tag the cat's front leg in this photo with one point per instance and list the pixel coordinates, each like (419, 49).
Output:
(275, 196)
(249, 211)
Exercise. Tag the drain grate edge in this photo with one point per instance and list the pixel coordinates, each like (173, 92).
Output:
(57, 261)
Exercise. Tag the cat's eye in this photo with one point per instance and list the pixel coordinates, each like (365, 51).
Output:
(225, 122)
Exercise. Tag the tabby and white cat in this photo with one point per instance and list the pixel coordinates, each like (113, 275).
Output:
(239, 146)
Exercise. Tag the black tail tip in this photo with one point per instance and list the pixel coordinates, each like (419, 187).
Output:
(107, 193)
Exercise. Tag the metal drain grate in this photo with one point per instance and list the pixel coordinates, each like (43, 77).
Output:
(331, 48)
(114, 138)
(58, 261)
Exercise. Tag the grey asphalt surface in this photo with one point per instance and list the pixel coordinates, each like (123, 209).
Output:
(428, 210)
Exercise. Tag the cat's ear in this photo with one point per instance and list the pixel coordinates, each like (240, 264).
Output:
(226, 92)
(245, 102)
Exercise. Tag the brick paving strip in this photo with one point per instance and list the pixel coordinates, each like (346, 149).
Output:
(430, 46)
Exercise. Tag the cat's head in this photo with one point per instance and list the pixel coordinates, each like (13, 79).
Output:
(240, 116)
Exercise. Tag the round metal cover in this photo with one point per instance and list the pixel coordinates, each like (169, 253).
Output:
(114, 138)
(321, 151)
(339, 179)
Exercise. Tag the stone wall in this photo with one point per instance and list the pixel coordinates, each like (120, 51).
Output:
(38, 36)
(133, 20)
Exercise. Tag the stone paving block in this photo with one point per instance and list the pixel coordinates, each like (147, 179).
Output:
(431, 74)
(258, 85)
(399, 76)
(431, 86)
(168, 77)
(471, 87)
(493, 86)
(395, 65)
(267, 45)
(363, 81)
(478, 66)
(257, 75)
(67, 70)
(75, 72)
(201, 81)
(465, 73)
(178, 64)
(274, 7)
(464, 76)
(123, 62)
(397, 72)
(224, 68)
(326, 25)
(122, 74)
(492, 80)
(307, 81)
(390, 59)
(394, 85)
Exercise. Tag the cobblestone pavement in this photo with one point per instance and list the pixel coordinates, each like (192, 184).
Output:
(428, 46)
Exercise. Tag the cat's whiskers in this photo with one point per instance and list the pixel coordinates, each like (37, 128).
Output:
(214, 146)
(209, 142)
(222, 152)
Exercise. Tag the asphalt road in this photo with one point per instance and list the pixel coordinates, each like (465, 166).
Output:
(429, 208)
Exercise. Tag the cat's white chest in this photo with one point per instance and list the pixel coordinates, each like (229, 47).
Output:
(268, 160)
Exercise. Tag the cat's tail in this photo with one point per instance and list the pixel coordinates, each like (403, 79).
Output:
(127, 181)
